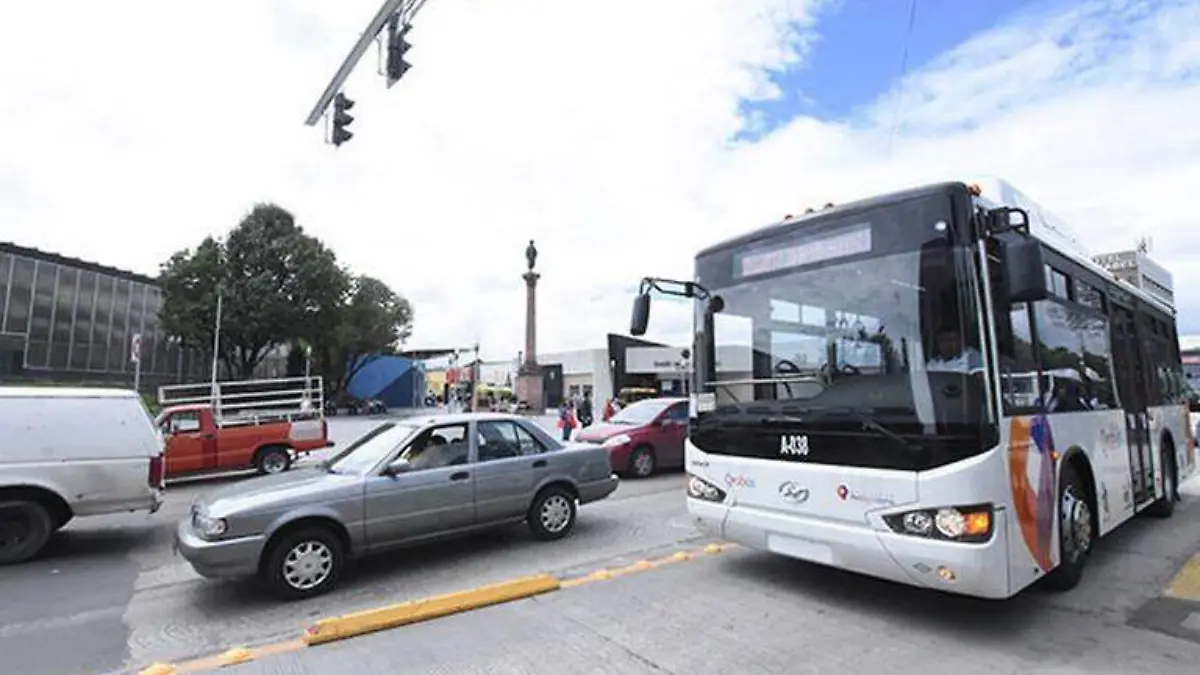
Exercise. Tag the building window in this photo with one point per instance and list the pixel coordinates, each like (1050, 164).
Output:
(84, 307)
(64, 311)
(20, 296)
(101, 331)
(5, 270)
(118, 346)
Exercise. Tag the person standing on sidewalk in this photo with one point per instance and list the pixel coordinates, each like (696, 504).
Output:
(566, 420)
(586, 416)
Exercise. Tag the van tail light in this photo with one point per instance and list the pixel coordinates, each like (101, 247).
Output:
(157, 472)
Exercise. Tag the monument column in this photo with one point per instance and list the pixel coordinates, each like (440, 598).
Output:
(529, 377)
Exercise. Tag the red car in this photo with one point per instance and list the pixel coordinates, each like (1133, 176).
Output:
(645, 436)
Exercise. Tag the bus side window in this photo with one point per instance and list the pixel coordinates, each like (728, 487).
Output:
(1018, 368)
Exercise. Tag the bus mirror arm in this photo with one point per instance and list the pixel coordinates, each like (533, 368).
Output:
(685, 289)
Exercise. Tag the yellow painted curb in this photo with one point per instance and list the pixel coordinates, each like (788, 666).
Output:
(371, 620)
(158, 669)
(1186, 584)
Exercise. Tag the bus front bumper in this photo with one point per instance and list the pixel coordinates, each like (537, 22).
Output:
(979, 570)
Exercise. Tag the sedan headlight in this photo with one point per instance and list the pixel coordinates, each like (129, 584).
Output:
(207, 527)
(616, 441)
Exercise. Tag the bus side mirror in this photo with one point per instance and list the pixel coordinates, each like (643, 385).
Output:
(1025, 270)
(641, 314)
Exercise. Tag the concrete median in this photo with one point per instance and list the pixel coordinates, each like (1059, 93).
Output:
(369, 621)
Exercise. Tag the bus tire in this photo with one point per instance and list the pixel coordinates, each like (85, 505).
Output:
(1165, 506)
(1076, 529)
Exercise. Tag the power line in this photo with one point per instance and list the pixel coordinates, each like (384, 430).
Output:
(912, 20)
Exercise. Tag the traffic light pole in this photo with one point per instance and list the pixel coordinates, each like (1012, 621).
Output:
(407, 9)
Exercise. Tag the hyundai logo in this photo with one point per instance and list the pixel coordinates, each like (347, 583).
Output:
(793, 492)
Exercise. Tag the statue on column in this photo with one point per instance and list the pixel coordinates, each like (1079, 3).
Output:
(531, 255)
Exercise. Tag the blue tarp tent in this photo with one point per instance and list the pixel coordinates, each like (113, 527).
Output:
(395, 380)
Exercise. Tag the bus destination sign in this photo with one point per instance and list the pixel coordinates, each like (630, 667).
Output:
(848, 242)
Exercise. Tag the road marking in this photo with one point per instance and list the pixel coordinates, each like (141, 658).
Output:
(1186, 584)
(414, 611)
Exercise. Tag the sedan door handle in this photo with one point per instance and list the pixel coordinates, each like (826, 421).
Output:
(539, 464)
(207, 437)
(461, 475)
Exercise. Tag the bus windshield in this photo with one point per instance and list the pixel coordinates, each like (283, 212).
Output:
(868, 325)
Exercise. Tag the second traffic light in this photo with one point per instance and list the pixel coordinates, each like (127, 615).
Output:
(341, 119)
(397, 46)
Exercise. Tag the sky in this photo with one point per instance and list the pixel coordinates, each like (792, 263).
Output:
(623, 136)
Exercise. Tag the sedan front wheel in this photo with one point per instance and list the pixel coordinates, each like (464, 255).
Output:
(552, 514)
(304, 563)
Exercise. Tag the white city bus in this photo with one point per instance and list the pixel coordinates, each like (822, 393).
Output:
(864, 396)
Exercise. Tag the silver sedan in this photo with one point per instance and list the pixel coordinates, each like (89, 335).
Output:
(406, 481)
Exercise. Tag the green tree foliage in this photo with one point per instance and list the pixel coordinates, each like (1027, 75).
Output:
(372, 321)
(276, 282)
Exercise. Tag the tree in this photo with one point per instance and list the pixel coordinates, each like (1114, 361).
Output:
(190, 279)
(276, 283)
(372, 322)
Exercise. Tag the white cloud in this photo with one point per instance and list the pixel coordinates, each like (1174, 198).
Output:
(600, 129)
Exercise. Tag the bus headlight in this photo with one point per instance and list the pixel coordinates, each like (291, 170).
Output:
(698, 488)
(969, 524)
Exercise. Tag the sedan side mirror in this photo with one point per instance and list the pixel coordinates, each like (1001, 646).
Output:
(398, 467)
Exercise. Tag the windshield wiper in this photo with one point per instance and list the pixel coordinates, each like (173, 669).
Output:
(869, 422)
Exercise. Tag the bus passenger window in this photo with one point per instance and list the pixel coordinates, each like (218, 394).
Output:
(1018, 369)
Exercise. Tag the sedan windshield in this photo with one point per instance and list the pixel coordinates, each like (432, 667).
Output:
(365, 453)
(642, 412)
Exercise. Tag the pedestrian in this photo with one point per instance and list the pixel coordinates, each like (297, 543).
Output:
(586, 416)
(566, 420)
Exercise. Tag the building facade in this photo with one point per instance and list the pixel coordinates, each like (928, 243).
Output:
(1137, 269)
(71, 321)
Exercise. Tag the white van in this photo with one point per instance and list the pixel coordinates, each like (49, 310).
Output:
(67, 452)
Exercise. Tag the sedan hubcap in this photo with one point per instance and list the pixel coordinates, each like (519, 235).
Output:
(644, 464)
(556, 513)
(307, 565)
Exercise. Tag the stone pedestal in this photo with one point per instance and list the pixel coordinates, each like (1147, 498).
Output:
(529, 377)
(529, 389)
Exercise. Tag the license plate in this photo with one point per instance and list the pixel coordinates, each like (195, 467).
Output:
(800, 548)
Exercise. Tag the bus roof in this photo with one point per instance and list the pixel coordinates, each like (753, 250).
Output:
(836, 212)
(1043, 224)
(1058, 234)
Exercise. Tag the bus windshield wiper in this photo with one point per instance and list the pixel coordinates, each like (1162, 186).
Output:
(869, 422)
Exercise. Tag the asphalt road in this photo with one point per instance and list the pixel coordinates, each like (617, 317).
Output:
(110, 597)
(745, 612)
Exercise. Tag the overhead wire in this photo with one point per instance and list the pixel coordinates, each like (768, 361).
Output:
(912, 20)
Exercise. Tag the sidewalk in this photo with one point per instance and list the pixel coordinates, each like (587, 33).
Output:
(1177, 611)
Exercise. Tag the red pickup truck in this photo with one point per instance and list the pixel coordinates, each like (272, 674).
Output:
(195, 443)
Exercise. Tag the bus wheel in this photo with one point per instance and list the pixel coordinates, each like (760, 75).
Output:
(1164, 507)
(1075, 531)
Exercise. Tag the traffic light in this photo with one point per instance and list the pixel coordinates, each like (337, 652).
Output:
(341, 119)
(397, 46)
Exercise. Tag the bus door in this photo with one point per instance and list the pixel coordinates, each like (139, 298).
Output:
(1132, 383)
